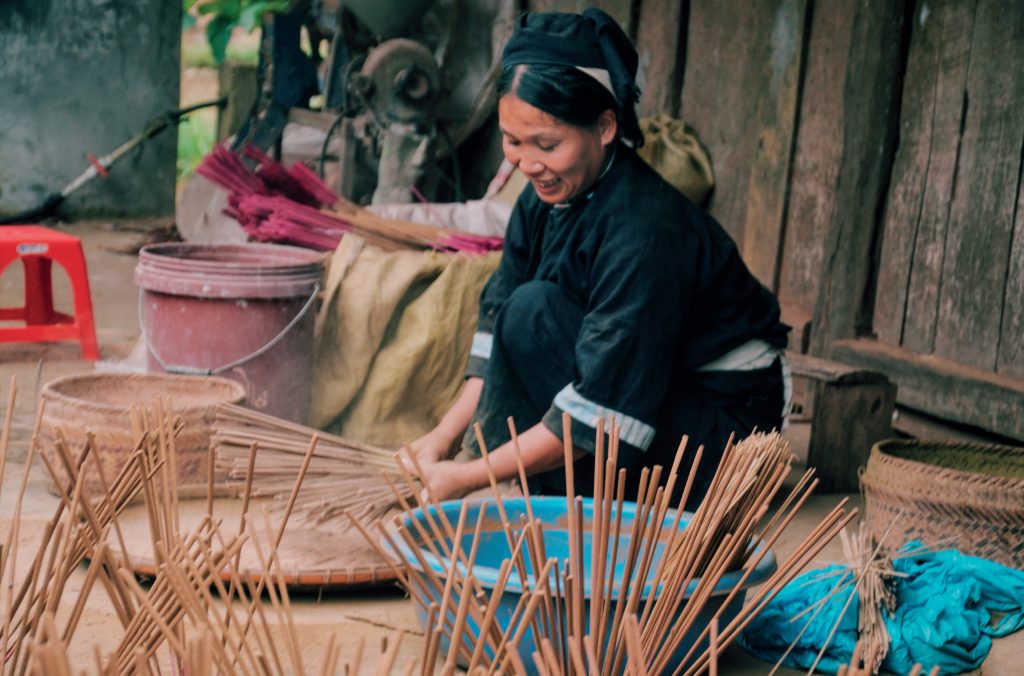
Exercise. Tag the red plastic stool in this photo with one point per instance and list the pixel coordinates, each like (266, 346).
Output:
(38, 248)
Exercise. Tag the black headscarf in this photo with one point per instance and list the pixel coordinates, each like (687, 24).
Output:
(590, 40)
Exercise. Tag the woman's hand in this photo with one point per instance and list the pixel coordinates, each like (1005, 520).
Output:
(438, 443)
(431, 447)
(540, 451)
(443, 481)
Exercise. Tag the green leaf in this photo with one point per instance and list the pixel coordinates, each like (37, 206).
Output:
(226, 8)
(218, 32)
(187, 18)
(231, 8)
(251, 16)
(196, 136)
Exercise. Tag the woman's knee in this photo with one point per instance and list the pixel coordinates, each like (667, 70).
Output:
(538, 319)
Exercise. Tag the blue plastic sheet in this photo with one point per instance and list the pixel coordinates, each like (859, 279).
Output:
(949, 607)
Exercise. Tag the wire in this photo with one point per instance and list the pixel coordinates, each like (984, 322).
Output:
(327, 140)
(456, 172)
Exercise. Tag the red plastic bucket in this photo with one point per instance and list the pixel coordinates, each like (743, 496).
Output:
(240, 311)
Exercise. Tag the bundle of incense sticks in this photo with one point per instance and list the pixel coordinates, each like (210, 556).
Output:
(343, 475)
(295, 206)
(78, 529)
(615, 630)
(750, 470)
(876, 595)
(200, 609)
(187, 598)
(854, 668)
(869, 577)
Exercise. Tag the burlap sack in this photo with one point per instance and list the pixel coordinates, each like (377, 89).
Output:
(671, 146)
(393, 339)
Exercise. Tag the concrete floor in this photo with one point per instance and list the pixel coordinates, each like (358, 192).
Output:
(368, 614)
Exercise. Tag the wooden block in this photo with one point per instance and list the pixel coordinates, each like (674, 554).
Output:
(850, 409)
(828, 371)
(848, 419)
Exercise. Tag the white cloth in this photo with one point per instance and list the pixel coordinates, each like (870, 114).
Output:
(757, 354)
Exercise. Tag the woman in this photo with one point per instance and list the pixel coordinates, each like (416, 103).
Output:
(615, 296)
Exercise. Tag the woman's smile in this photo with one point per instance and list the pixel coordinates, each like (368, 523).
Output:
(546, 187)
(560, 160)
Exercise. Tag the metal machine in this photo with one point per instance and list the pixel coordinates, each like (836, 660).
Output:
(403, 84)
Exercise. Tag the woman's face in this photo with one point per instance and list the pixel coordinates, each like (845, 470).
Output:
(560, 159)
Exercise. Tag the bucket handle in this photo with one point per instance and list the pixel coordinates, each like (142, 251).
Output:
(198, 371)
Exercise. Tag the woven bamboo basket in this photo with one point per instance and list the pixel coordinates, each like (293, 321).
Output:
(100, 403)
(970, 493)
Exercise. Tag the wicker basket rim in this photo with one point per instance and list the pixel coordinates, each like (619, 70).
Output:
(927, 484)
(967, 445)
(880, 455)
(960, 501)
(52, 393)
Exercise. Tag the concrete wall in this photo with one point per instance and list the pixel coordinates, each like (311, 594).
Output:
(80, 77)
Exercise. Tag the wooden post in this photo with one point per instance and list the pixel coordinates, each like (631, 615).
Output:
(239, 82)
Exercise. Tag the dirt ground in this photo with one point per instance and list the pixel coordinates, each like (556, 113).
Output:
(369, 613)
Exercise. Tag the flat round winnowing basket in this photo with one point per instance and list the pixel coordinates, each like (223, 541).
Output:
(968, 496)
(310, 559)
(100, 403)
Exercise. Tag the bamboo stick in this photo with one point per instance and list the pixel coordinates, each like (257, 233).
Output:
(5, 433)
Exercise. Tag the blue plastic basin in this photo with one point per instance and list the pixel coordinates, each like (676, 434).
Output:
(551, 511)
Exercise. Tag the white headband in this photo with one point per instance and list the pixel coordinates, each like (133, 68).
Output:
(603, 78)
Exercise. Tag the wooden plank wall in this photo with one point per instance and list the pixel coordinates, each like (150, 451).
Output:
(871, 70)
(818, 154)
(661, 44)
(620, 10)
(950, 276)
(917, 214)
(743, 65)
